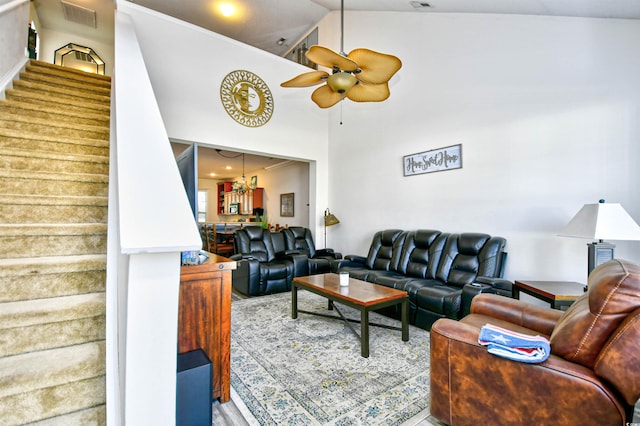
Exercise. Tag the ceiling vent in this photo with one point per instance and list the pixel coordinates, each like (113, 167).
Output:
(420, 4)
(79, 14)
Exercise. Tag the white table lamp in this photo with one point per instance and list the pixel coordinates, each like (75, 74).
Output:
(602, 221)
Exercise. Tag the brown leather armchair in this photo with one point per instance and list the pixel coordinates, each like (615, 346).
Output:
(592, 375)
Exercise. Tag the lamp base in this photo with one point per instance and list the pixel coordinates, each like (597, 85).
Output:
(598, 254)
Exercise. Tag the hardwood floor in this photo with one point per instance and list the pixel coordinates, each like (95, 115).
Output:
(227, 414)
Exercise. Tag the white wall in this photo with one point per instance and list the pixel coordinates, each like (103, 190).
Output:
(51, 40)
(548, 114)
(187, 65)
(546, 110)
(14, 18)
(290, 178)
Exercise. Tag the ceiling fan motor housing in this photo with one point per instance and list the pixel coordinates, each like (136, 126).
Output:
(341, 82)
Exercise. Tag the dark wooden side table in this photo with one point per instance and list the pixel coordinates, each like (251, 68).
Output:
(204, 317)
(559, 294)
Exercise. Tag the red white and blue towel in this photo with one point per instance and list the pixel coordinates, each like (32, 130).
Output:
(512, 345)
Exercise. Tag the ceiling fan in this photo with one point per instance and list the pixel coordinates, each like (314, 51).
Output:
(362, 76)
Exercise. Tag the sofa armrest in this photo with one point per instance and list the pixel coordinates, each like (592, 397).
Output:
(328, 252)
(336, 264)
(356, 258)
(499, 285)
(538, 318)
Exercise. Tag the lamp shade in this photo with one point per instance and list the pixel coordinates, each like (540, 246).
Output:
(602, 221)
(330, 219)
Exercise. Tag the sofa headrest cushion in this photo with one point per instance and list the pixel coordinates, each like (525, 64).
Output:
(471, 243)
(614, 292)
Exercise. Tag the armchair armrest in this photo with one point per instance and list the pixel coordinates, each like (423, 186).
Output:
(524, 314)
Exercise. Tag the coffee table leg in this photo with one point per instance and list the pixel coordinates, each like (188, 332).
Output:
(364, 333)
(294, 301)
(405, 320)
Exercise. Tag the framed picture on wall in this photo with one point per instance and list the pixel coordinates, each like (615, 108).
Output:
(286, 205)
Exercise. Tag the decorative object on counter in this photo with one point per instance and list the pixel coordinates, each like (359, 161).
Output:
(246, 98)
(194, 257)
(436, 160)
(601, 221)
(286, 204)
(329, 220)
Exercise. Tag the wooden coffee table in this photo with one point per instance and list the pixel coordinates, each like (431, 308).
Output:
(359, 295)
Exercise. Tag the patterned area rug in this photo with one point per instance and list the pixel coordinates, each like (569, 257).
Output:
(309, 371)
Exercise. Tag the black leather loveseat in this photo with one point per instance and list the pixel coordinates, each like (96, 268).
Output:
(440, 271)
(268, 261)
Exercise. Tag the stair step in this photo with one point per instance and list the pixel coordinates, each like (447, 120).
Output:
(30, 183)
(15, 159)
(70, 73)
(91, 416)
(42, 324)
(54, 276)
(28, 240)
(65, 82)
(27, 313)
(30, 141)
(45, 127)
(68, 115)
(40, 385)
(59, 93)
(39, 99)
(47, 209)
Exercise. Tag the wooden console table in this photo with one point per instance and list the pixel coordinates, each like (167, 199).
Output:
(204, 317)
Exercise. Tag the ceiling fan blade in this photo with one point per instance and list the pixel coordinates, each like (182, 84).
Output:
(324, 97)
(328, 58)
(307, 79)
(376, 67)
(369, 92)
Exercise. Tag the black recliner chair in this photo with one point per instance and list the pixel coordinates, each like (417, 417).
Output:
(298, 240)
(261, 268)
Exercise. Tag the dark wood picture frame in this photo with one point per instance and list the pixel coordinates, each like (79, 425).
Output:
(286, 204)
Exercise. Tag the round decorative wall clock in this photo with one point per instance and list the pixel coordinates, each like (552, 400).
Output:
(246, 98)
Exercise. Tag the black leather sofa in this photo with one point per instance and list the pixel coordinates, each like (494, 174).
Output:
(442, 272)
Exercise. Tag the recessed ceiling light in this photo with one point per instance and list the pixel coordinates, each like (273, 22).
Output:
(227, 9)
(228, 167)
(212, 174)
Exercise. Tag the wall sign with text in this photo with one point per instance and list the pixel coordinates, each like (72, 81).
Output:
(436, 160)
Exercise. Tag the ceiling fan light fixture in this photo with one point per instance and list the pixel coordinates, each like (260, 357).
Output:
(341, 82)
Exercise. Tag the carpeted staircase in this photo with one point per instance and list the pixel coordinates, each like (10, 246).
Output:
(54, 161)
